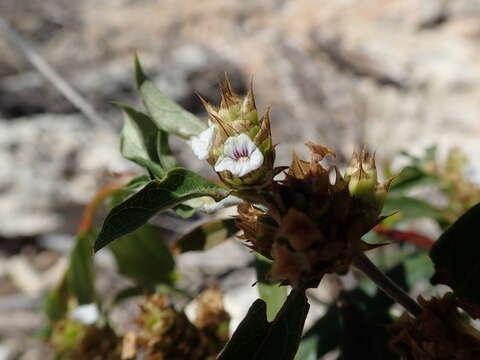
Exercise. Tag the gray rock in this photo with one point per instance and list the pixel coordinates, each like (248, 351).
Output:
(51, 164)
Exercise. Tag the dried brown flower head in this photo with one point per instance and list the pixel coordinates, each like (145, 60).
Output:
(438, 333)
(310, 226)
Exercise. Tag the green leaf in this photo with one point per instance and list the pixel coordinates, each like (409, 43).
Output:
(206, 236)
(271, 292)
(322, 337)
(410, 208)
(138, 142)
(78, 281)
(144, 257)
(166, 114)
(81, 272)
(55, 304)
(257, 339)
(167, 160)
(456, 256)
(178, 186)
(410, 177)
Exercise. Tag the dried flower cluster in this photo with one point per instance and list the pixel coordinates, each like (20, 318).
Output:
(440, 332)
(310, 226)
(165, 333)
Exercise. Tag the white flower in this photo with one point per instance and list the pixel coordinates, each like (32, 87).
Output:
(86, 314)
(202, 143)
(241, 156)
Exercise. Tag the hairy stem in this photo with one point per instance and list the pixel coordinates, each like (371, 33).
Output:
(363, 263)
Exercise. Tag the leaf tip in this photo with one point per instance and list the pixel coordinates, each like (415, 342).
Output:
(140, 76)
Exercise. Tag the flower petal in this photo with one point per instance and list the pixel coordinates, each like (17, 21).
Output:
(230, 146)
(240, 144)
(241, 156)
(224, 163)
(202, 143)
(256, 159)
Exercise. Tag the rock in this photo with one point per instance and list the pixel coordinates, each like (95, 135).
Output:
(51, 163)
(24, 276)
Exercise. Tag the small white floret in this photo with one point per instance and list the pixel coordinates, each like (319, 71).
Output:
(86, 314)
(202, 143)
(240, 156)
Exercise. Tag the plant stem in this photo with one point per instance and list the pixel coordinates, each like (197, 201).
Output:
(363, 263)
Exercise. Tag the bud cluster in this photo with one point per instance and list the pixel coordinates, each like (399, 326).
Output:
(237, 143)
(313, 226)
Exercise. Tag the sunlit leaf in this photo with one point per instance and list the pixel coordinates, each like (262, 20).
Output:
(206, 236)
(178, 186)
(165, 156)
(271, 292)
(166, 114)
(138, 142)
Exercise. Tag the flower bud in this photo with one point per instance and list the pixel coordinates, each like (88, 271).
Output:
(362, 179)
(237, 143)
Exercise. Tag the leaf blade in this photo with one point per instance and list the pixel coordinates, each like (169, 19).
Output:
(166, 114)
(178, 186)
(138, 141)
(81, 271)
(144, 257)
(455, 256)
(410, 208)
(271, 292)
(256, 338)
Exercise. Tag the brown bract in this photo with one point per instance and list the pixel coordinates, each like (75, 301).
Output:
(439, 333)
(312, 226)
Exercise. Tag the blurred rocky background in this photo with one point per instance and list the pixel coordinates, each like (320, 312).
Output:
(389, 74)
